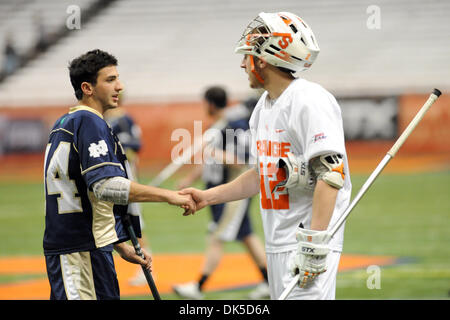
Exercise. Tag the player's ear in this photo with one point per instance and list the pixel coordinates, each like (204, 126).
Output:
(87, 88)
(261, 63)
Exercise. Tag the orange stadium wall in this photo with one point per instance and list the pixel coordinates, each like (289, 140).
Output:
(158, 121)
(433, 132)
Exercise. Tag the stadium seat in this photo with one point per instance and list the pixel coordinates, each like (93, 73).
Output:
(168, 50)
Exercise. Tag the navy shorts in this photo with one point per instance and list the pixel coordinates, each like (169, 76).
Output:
(231, 220)
(87, 275)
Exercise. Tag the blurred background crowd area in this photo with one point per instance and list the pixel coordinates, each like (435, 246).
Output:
(381, 59)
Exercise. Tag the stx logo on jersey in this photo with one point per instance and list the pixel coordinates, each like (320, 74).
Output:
(99, 149)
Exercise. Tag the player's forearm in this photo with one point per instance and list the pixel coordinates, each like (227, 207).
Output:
(324, 200)
(244, 186)
(144, 193)
(121, 191)
(120, 247)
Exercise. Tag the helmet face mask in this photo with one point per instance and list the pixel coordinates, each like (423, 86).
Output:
(281, 39)
(256, 34)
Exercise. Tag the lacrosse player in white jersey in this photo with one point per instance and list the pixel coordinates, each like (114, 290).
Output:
(301, 171)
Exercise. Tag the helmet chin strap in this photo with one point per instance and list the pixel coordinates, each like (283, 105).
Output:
(257, 75)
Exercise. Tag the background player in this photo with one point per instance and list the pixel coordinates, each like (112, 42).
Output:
(296, 125)
(87, 189)
(231, 221)
(129, 134)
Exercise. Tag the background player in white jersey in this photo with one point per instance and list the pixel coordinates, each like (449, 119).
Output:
(301, 170)
(87, 189)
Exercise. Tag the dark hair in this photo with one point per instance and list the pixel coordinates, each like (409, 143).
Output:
(85, 68)
(217, 96)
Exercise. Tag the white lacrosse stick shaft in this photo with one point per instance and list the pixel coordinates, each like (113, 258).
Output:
(390, 154)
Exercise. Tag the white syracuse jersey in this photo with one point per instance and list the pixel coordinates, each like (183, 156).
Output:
(305, 119)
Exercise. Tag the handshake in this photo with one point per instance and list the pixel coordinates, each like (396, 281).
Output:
(190, 199)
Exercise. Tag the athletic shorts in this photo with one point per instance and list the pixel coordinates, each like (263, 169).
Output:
(88, 275)
(322, 288)
(231, 220)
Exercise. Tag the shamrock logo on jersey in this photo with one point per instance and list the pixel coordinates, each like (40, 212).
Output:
(99, 149)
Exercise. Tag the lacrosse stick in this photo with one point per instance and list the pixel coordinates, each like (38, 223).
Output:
(390, 154)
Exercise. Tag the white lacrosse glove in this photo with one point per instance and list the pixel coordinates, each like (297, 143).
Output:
(297, 173)
(311, 256)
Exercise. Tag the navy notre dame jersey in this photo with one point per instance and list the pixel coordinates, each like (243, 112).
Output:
(81, 150)
(127, 131)
(234, 138)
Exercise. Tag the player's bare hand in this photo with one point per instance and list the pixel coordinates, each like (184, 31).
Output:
(184, 201)
(128, 253)
(199, 196)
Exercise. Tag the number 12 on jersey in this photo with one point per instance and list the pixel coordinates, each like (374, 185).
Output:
(270, 176)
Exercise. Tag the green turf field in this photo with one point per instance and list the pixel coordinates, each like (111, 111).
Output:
(401, 215)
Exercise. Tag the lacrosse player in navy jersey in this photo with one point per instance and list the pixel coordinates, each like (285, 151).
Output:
(88, 190)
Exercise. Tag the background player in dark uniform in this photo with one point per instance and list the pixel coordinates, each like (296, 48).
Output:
(87, 189)
(231, 221)
(129, 133)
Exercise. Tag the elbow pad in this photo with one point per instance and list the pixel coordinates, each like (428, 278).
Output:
(115, 190)
(330, 168)
(297, 171)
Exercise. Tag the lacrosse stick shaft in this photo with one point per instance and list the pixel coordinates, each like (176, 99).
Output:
(390, 154)
(137, 248)
(290, 287)
(177, 163)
